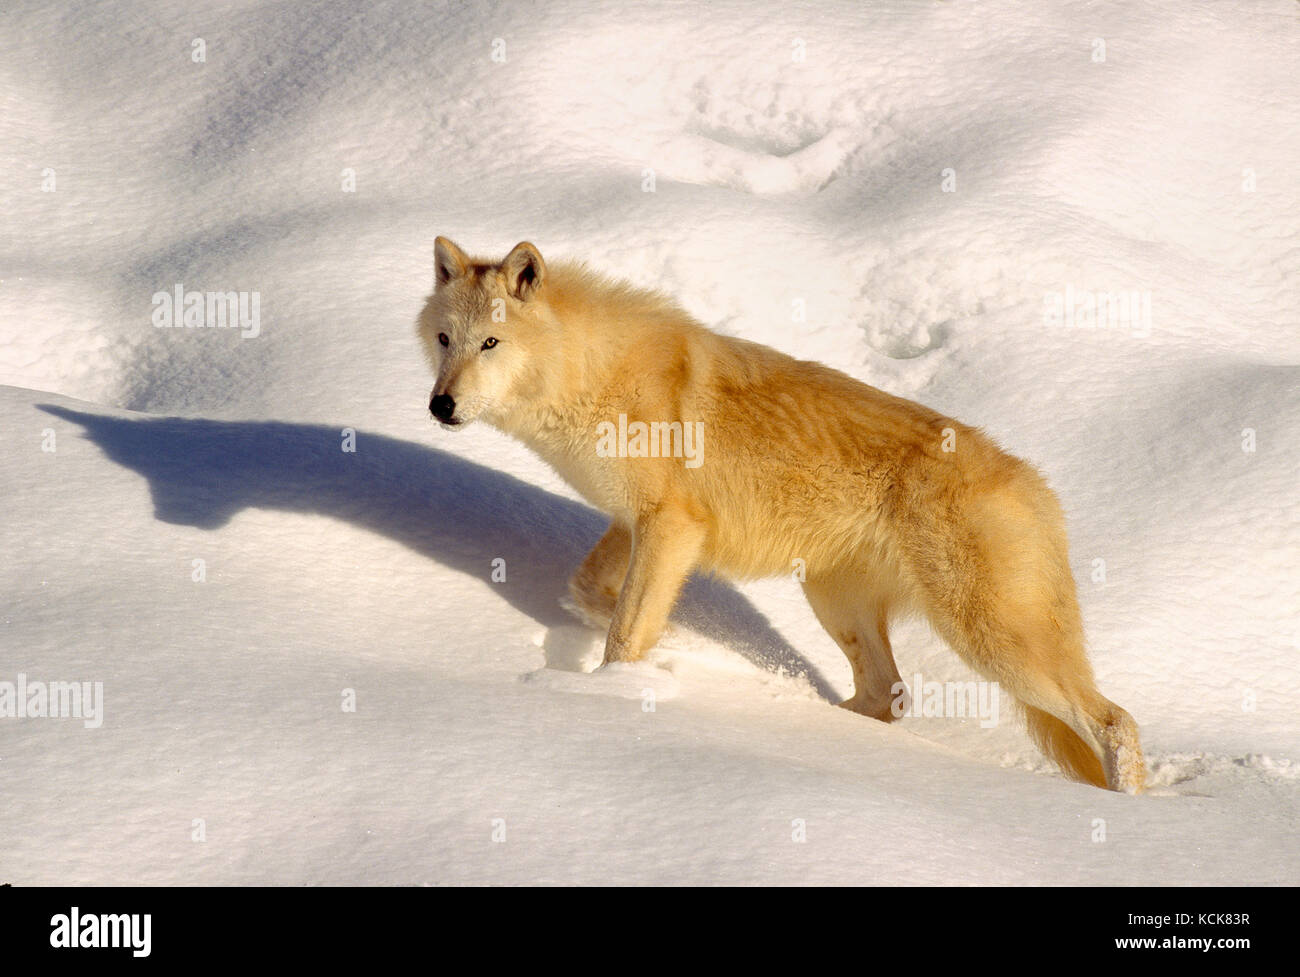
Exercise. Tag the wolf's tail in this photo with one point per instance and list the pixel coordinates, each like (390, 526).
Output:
(1062, 744)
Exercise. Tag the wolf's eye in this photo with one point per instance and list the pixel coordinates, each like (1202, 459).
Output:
(489, 342)
(442, 338)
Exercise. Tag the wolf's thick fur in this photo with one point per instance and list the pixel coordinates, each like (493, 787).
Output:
(800, 462)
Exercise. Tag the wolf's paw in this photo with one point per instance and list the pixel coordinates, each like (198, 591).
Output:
(1122, 757)
(871, 708)
(623, 680)
(571, 648)
(1126, 770)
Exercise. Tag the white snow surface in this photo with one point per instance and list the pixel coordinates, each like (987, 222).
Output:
(921, 176)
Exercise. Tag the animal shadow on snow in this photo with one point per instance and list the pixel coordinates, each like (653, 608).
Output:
(457, 513)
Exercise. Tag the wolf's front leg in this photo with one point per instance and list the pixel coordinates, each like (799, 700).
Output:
(666, 544)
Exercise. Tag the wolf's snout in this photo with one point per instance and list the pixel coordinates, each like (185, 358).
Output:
(442, 407)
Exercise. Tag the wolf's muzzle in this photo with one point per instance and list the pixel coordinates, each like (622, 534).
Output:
(442, 407)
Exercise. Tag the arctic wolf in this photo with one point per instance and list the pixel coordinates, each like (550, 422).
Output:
(886, 506)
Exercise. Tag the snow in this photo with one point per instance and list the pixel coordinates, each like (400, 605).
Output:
(695, 152)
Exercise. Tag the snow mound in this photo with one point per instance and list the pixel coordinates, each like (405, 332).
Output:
(1075, 226)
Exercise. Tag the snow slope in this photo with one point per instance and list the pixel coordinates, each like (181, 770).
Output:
(922, 180)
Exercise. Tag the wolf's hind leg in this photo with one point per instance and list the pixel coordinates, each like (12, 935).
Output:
(858, 621)
(594, 587)
(1036, 653)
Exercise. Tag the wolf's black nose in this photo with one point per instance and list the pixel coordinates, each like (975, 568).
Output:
(442, 407)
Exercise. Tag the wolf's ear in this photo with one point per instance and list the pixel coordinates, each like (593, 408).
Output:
(449, 262)
(524, 270)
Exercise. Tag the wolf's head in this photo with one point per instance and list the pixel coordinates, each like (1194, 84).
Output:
(478, 328)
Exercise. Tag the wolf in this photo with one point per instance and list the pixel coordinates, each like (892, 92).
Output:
(883, 506)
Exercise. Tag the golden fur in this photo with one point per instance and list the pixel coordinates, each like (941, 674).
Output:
(800, 463)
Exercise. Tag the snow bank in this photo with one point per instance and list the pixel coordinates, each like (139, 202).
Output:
(931, 197)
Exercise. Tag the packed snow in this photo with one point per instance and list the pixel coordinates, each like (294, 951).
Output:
(329, 635)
